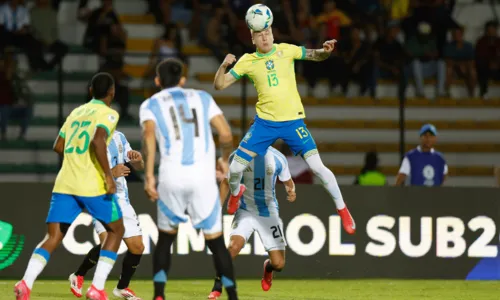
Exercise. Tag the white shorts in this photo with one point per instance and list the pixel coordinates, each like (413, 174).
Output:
(199, 201)
(130, 221)
(270, 229)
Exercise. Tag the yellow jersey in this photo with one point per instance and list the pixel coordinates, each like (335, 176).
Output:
(81, 174)
(273, 75)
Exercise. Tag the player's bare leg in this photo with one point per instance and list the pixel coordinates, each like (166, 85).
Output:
(240, 162)
(235, 245)
(330, 184)
(130, 264)
(40, 258)
(276, 262)
(107, 258)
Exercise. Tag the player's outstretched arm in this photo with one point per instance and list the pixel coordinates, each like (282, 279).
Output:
(100, 150)
(222, 79)
(321, 54)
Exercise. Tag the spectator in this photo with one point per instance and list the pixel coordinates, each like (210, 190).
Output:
(106, 36)
(332, 20)
(15, 100)
(44, 21)
(356, 63)
(214, 38)
(169, 45)
(14, 31)
(284, 28)
(424, 165)
(488, 57)
(301, 174)
(398, 9)
(425, 63)
(390, 59)
(370, 174)
(459, 55)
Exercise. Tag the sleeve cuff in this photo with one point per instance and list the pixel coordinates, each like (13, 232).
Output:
(235, 75)
(105, 128)
(303, 53)
(62, 134)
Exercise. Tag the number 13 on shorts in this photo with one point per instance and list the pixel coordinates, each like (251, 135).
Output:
(302, 132)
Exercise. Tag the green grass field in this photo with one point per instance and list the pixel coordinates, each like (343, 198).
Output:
(292, 290)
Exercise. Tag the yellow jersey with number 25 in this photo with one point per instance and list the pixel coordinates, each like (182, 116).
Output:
(273, 75)
(81, 174)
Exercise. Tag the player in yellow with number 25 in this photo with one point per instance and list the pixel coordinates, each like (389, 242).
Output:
(280, 114)
(84, 181)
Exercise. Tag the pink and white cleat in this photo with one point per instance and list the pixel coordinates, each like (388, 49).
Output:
(267, 278)
(76, 283)
(214, 295)
(22, 291)
(95, 294)
(125, 293)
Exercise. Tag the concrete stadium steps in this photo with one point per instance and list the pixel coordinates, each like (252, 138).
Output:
(74, 82)
(477, 181)
(341, 170)
(464, 164)
(320, 135)
(47, 107)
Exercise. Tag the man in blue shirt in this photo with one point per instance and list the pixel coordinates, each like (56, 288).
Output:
(423, 165)
(459, 55)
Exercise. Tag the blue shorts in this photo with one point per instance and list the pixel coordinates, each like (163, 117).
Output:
(264, 133)
(65, 208)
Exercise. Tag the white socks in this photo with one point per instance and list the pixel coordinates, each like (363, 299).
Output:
(104, 266)
(327, 179)
(37, 263)
(236, 173)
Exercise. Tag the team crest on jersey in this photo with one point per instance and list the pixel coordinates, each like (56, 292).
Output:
(120, 148)
(269, 170)
(247, 137)
(270, 64)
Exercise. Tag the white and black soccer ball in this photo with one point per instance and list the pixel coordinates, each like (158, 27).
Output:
(259, 17)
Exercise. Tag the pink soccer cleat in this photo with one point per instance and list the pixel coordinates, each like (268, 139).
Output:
(267, 278)
(234, 201)
(347, 220)
(22, 291)
(95, 294)
(125, 293)
(76, 283)
(214, 295)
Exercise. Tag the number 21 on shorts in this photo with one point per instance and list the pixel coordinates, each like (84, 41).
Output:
(302, 132)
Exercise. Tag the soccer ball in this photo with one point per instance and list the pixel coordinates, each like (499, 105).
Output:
(259, 17)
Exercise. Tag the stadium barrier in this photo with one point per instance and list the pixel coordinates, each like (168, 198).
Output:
(446, 233)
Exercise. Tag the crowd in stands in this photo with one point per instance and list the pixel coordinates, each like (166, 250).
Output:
(400, 40)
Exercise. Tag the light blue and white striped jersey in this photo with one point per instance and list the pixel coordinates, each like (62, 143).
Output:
(14, 20)
(260, 180)
(183, 131)
(117, 154)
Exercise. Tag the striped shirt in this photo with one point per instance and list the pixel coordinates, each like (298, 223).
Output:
(260, 180)
(117, 154)
(182, 118)
(14, 19)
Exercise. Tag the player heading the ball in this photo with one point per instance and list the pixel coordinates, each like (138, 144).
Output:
(280, 114)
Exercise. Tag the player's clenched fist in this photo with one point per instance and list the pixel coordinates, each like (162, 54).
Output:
(229, 60)
(328, 46)
(134, 156)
